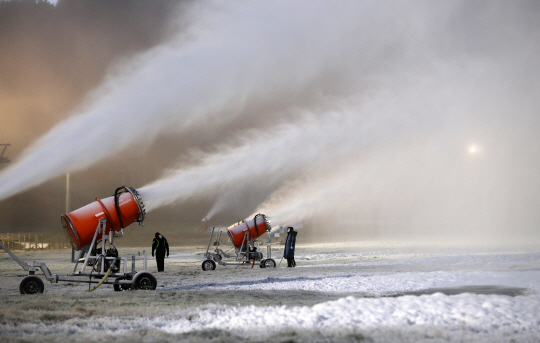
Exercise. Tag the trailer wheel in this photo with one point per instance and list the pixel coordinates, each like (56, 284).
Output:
(208, 265)
(31, 284)
(269, 263)
(144, 281)
(122, 287)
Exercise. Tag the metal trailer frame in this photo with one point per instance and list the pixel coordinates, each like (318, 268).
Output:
(123, 280)
(243, 254)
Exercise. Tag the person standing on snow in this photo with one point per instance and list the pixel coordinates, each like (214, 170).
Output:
(290, 242)
(160, 246)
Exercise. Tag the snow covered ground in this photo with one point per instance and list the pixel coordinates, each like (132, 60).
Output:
(361, 292)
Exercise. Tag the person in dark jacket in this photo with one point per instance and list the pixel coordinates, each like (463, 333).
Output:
(290, 242)
(160, 246)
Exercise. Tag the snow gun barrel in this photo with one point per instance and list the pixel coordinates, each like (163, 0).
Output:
(120, 210)
(255, 227)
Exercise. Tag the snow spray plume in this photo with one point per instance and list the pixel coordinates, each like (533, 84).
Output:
(319, 51)
(228, 57)
(386, 102)
(314, 144)
(399, 158)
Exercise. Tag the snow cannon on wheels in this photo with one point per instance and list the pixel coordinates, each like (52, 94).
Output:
(91, 230)
(243, 236)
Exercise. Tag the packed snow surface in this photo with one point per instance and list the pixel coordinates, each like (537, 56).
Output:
(337, 293)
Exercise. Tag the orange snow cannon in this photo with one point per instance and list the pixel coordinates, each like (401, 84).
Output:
(120, 210)
(254, 228)
(91, 230)
(243, 236)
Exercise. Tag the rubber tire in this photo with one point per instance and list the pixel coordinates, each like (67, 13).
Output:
(262, 264)
(269, 263)
(208, 265)
(31, 284)
(121, 288)
(144, 281)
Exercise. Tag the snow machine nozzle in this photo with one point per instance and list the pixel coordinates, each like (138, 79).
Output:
(121, 210)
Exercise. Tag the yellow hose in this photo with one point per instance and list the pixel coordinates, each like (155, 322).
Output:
(101, 282)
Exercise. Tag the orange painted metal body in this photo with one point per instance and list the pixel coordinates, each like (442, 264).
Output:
(256, 227)
(80, 225)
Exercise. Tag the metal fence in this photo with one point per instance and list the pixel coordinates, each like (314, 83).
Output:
(33, 241)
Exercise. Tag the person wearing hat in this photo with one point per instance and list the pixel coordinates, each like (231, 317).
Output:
(160, 246)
